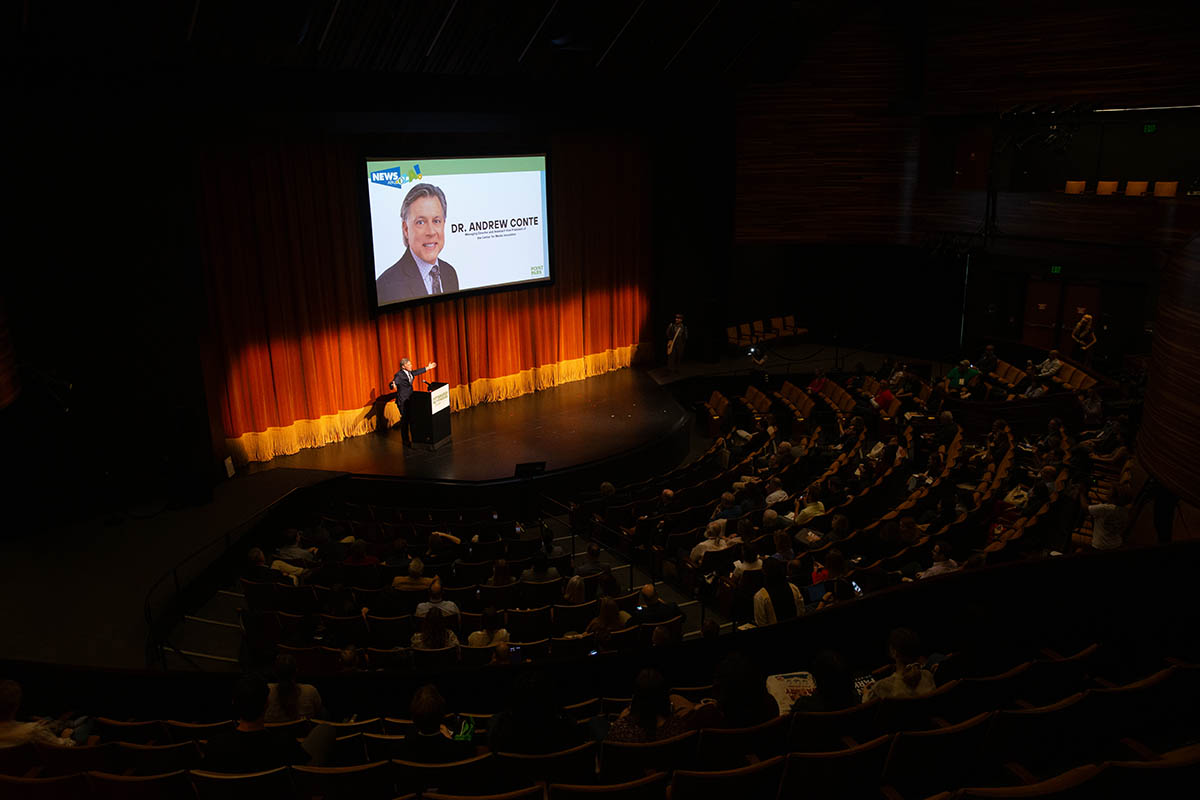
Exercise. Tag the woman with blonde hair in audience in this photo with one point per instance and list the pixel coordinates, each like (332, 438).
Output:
(491, 633)
(609, 618)
(575, 592)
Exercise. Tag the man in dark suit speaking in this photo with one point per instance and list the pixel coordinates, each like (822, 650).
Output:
(419, 272)
(402, 382)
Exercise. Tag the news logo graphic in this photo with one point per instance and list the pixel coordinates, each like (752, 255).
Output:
(397, 177)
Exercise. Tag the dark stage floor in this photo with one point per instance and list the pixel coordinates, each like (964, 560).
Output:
(567, 426)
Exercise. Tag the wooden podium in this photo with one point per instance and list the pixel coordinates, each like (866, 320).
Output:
(430, 423)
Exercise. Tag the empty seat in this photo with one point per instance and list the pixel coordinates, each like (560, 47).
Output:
(651, 787)
(373, 781)
(1166, 188)
(65, 787)
(145, 759)
(851, 773)
(142, 732)
(166, 786)
(923, 762)
(1106, 187)
(625, 761)
(1135, 188)
(1075, 187)
(242, 786)
(818, 731)
(528, 793)
(69, 760)
(1080, 782)
(438, 660)
(729, 748)
(196, 731)
(477, 775)
(571, 765)
(756, 780)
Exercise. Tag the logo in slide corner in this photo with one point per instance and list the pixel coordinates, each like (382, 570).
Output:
(397, 177)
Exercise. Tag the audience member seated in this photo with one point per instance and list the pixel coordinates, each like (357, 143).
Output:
(252, 747)
(535, 723)
(783, 548)
(430, 740)
(1039, 387)
(592, 563)
(727, 507)
(884, 397)
(960, 376)
(839, 528)
(818, 382)
(812, 508)
(609, 617)
(359, 557)
(415, 579)
(291, 549)
(1090, 405)
(749, 562)
(946, 430)
(987, 362)
(549, 547)
(444, 547)
(279, 571)
(653, 714)
(742, 699)
(1104, 441)
(288, 699)
(1109, 520)
(909, 679)
(434, 635)
(942, 562)
(1040, 492)
(714, 540)
(491, 633)
(607, 585)
(436, 600)
(575, 591)
(654, 609)
(833, 685)
(1050, 366)
(13, 733)
(778, 600)
(540, 570)
(775, 492)
(500, 574)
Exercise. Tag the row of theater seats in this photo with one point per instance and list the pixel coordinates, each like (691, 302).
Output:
(310, 598)
(970, 732)
(1068, 376)
(1132, 188)
(759, 331)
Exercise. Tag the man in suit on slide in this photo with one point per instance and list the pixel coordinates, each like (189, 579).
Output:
(402, 382)
(419, 272)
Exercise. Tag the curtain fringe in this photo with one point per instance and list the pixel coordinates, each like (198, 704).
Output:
(304, 433)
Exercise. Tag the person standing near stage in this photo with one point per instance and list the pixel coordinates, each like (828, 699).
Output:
(402, 383)
(677, 334)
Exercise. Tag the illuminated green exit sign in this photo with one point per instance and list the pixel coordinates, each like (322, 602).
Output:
(1150, 127)
(1056, 270)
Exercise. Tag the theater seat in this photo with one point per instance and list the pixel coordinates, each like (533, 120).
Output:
(1166, 188)
(1075, 187)
(573, 764)
(374, 781)
(623, 761)
(651, 787)
(242, 786)
(850, 773)
(1135, 188)
(165, 786)
(66, 787)
(756, 780)
(1106, 187)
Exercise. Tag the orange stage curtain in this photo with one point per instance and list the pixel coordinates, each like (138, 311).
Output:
(302, 362)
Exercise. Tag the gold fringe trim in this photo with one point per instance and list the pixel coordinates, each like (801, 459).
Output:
(304, 433)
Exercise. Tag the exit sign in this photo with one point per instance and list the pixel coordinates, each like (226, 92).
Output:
(1056, 270)
(1150, 127)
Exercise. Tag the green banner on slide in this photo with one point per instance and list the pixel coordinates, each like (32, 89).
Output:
(461, 166)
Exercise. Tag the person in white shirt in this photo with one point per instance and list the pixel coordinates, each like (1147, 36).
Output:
(1050, 366)
(1110, 519)
(942, 562)
(910, 679)
(749, 561)
(714, 539)
(775, 492)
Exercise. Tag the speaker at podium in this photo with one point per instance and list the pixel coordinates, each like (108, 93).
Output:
(430, 424)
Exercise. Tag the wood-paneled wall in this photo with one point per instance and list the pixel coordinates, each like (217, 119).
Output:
(1169, 441)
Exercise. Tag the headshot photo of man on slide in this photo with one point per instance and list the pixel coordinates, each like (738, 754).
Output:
(420, 272)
